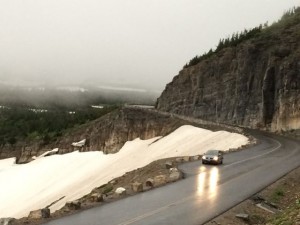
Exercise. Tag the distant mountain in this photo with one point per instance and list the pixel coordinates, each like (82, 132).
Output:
(72, 96)
(252, 79)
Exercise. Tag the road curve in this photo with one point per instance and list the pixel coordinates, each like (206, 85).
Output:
(206, 191)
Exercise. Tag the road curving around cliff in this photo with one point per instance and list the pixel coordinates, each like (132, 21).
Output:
(206, 192)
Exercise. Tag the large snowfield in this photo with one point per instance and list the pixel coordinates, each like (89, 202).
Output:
(37, 184)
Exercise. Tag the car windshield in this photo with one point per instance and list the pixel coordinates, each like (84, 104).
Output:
(212, 152)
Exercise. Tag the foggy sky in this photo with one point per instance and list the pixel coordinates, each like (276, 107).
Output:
(128, 43)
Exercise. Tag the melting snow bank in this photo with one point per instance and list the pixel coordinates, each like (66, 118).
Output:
(37, 184)
(5, 163)
(46, 153)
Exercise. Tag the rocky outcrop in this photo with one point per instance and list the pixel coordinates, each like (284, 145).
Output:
(137, 186)
(174, 175)
(254, 84)
(120, 191)
(108, 133)
(7, 221)
(74, 205)
(96, 197)
(39, 214)
(160, 180)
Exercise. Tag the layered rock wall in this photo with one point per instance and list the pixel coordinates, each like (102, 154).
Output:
(255, 84)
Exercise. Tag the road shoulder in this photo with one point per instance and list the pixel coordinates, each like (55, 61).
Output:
(277, 204)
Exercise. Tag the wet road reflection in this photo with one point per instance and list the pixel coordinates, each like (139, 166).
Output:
(213, 181)
(201, 183)
(207, 182)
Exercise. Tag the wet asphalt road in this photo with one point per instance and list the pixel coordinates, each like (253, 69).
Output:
(206, 191)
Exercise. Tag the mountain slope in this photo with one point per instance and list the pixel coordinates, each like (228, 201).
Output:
(254, 84)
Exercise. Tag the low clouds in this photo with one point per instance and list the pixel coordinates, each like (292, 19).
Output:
(129, 43)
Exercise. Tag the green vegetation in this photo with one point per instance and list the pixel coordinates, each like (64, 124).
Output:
(289, 18)
(23, 124)
(257, 219)
(288, 216)
(277, 194)
(108, 188)
(232, 41)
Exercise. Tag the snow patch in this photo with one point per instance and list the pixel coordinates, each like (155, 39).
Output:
(79, 143)
(45, 154)
(32, 186)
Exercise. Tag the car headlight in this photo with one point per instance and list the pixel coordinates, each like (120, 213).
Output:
(203, 157)
(216, 158)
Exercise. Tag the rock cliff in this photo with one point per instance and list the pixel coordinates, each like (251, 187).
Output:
(254, 84)
(108, 133)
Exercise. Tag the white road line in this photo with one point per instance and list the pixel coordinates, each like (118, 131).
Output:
(257, 156)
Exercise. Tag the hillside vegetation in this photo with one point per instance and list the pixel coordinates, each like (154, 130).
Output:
(27, 124)
(289, 18)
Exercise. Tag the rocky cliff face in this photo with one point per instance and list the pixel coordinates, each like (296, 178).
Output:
(108, 133)
(255, 84)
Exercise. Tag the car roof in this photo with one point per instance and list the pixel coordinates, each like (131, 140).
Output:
(212, 151)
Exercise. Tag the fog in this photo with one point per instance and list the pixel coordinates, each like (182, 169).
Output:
(121, 43)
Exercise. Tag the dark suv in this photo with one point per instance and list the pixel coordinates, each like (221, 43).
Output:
(212, 156)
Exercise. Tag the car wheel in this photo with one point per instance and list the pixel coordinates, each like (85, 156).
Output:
(203, 162)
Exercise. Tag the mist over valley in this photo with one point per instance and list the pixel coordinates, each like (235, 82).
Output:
(73, 96)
